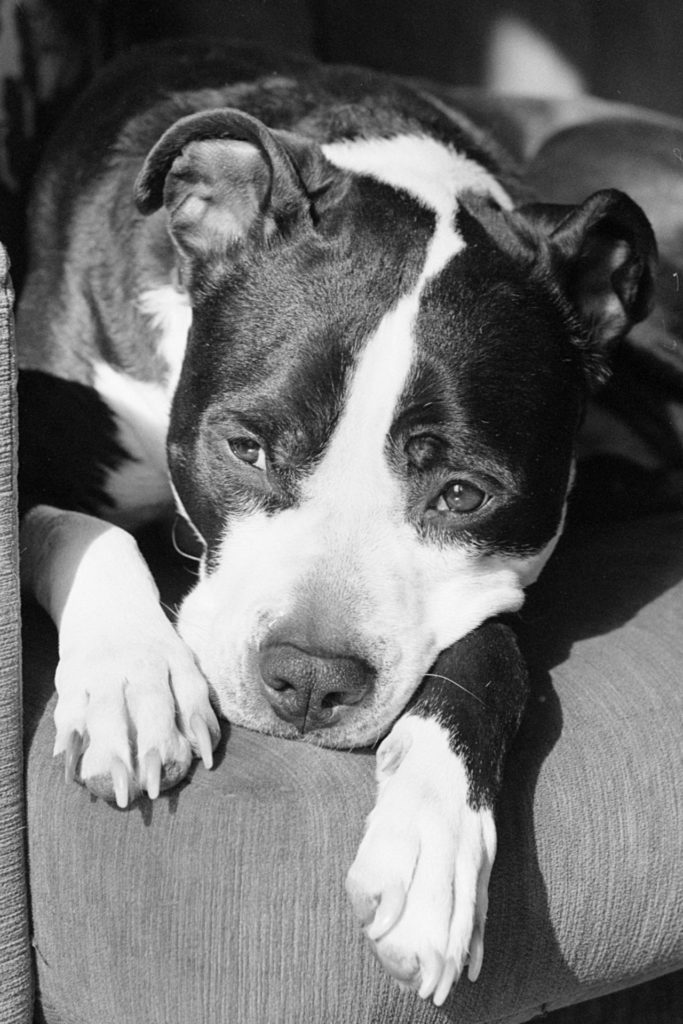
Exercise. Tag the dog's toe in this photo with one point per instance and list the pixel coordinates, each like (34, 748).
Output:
(193, 713)
(156, 775)
(116, 784)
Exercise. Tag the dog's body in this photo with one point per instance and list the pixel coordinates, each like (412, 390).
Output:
(370, 428)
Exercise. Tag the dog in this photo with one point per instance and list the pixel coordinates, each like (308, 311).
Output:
(314, 310)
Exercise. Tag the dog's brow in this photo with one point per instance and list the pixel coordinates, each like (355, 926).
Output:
(419, 414)
(241, 418)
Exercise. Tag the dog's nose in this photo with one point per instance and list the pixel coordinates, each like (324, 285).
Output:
(311, 690)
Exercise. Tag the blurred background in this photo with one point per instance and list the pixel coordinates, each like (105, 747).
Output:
(626, 50)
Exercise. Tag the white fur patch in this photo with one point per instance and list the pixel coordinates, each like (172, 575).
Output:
(356, 453)
(420, 879)
(139, 488)
(170, 316)
(428, 170)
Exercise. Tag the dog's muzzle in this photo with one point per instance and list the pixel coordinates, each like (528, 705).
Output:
(310, 689)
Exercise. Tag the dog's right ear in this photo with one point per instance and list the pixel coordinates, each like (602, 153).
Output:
(224, 177)
(604, 256)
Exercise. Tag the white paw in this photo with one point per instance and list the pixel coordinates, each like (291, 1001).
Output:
(132, 707)
(419, 882)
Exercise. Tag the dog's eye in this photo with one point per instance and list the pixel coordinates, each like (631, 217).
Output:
(247, 450)
(460, 496)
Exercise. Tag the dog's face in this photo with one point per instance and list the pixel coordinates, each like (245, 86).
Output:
(373, 428)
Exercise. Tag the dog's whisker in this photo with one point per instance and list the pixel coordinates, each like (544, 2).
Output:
(177, 548)
(446, 679)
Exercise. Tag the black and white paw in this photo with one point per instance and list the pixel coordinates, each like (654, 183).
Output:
(419, 883)
(131, 712)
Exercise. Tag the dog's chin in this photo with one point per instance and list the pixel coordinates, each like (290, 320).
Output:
(355, 728)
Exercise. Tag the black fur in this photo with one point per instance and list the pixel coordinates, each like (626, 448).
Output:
(477, 691)
(62, 421)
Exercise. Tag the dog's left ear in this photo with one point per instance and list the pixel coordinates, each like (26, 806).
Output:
(604, 255)
(226, 179)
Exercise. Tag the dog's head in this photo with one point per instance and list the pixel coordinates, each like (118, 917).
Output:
(373, 428)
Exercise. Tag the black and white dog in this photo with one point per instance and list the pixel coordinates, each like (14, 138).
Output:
(313, 307)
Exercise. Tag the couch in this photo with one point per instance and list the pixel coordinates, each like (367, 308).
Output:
(223, 903)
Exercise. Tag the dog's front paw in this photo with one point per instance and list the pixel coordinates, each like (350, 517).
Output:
(131, 709)
(419, 882)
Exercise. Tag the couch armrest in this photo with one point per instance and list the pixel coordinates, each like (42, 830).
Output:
(16, 995)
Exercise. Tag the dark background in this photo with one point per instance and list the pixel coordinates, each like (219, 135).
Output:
(626, 50)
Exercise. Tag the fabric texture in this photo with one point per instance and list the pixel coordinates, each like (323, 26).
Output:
(15, 969)
(224, 900)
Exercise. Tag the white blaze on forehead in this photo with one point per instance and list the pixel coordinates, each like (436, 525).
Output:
(356, 458)
(434, 174)
(431, 172)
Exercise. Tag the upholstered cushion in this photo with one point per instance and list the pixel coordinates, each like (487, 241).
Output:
(15, 964)
(223, 901)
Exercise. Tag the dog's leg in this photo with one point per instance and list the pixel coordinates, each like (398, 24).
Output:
(131, 701)
(419, 882)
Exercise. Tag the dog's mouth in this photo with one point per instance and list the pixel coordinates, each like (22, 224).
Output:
(340, 726)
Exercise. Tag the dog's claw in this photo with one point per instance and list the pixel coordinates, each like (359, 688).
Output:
(388, 912)
(430, 975)
(151, 773)
(391, 753)
(202, 737)
(476, 955)
(72, 755)
(119, 777)
(449, 976)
